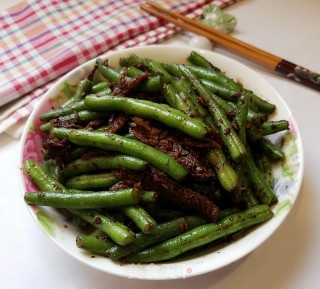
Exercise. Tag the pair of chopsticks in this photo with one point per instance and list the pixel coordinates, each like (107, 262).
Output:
(266, 59)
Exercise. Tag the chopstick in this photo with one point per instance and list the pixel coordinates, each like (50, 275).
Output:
(266, 59)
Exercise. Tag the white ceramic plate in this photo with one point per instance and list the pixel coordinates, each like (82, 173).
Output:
(287, 177)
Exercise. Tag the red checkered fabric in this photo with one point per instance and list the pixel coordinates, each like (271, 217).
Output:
(42, 40)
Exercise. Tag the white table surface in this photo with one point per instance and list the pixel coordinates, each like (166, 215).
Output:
(289, 259)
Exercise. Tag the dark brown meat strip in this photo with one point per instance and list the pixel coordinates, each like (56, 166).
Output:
(56, 148)
(170, 192)
(117, 121)
(187, 153)
(73, 122)
(125, 86)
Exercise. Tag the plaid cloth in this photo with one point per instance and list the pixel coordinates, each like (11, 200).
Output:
(42, 40)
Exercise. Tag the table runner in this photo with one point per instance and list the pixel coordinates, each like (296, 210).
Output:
(41, 40)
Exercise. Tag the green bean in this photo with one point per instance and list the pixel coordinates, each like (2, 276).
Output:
(264, 165)
(249, 199)
(267, 127)
(62, 133)
(199, 60)
(162, 232)
(235, 147)
(54, 169)
(46, 127)
(85, 200)
(178, 101)
(106, 71)
(271, 127)
(97, 77)
(226, 174)
(149, 196)
(223, 91)
(148, 109)
(256, 118)
(82, 90)
(140, 218)
(241, 117)
(83, 115)
(85, 165)
(61, 111)
(131, 147)
(225, 103)
(173, 69)
(151, 84)
(41, 178)
(215, 76)
(202, 235)
(272, 151)
(152, 65)
(134, 60)
(91, 181)
(101, 87)
(94, 245)
(246, 196)
(156, 67)
(263, 105)
(132, 71)
(183, 87)
(170, 95)
(226, 106)
(263, 190)
(118, 232)
(231, 86)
